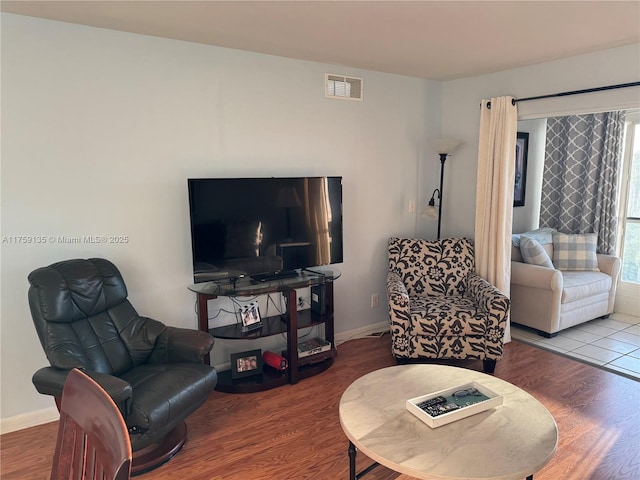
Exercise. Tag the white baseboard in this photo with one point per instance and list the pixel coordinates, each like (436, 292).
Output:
(361, 332)
(26, 420)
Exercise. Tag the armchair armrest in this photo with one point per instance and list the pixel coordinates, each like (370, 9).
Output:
(535, 276)
(50, 381)
(609, 264)
(399, 312)
(176, 345)
(489, 299)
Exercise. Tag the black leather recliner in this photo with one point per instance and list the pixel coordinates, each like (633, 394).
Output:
(153, 372)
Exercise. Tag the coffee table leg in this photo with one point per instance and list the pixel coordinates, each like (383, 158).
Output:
(352, 461)
(352, 464)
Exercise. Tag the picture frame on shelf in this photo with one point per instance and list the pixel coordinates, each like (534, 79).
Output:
(520, 177)
(250, 317)
(246, 364)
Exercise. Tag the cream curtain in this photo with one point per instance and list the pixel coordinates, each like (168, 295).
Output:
(318, 216)
(494, 193)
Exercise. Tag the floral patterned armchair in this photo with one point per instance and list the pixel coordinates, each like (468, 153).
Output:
(439, 307)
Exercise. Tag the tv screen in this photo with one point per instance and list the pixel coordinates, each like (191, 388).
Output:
(263, 226)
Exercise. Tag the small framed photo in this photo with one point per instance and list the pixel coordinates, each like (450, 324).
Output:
(250, 317)
(522, 152)
(246, 364)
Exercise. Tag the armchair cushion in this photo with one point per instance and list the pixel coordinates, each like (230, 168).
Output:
(533, 253)
(164, 391)
(575, 251)
(432, 268)
(579, 285)
(437, 315)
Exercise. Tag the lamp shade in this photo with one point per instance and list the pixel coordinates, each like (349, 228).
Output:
(431, 212)
(445, 145)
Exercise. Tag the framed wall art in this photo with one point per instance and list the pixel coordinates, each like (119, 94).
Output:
(522, 151)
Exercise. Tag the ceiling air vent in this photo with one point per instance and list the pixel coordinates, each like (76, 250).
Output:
(342, 87)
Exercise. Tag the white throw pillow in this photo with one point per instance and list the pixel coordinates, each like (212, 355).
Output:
(534, 253)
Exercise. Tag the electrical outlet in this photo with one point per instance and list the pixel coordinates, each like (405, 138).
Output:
(375, 300)
(412, 206)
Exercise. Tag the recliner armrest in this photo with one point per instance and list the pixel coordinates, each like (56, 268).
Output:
(535, 276)
(50, 381)
(118, 389)
(176, 345)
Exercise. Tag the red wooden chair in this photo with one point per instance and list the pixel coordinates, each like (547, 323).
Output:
(93, 440)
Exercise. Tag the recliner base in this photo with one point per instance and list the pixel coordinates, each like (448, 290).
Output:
(159, 453)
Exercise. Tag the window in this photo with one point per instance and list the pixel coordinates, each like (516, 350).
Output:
(630, 204)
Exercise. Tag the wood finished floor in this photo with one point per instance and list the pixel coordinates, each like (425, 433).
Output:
(293, 432)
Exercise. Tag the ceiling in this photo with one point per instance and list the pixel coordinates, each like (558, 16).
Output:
(430, 39)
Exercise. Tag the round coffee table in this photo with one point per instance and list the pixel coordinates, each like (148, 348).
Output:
(509, 442)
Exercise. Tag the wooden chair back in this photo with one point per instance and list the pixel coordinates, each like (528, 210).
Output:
(93, 440)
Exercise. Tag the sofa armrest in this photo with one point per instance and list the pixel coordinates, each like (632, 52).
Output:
(177, 345)
(535, 276)
(399, 312)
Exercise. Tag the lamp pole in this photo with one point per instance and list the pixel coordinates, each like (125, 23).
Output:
(443, 158)
(443, 147)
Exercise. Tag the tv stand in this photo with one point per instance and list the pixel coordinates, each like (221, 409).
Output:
(286, 324)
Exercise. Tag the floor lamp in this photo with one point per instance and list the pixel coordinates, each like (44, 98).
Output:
(443, 147)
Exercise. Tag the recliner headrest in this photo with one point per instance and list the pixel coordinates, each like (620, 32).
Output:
(74, 289)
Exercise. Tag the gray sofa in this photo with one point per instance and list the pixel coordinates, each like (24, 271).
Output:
(551, 300)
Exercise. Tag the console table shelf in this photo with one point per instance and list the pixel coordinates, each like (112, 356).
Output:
(275, 325)
(288, 324)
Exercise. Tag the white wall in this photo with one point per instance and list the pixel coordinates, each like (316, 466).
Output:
(461, 117)
(101, 129)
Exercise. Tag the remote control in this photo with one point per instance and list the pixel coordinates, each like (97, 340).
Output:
(432, 402)
(442, 409)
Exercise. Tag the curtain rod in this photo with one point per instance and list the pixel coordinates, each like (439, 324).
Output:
(573, 92)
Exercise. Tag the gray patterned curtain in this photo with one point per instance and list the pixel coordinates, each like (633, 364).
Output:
(580, 179)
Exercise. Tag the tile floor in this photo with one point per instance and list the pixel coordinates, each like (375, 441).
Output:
(611, 343)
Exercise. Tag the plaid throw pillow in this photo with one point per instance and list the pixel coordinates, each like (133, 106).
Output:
(575, 251)
(534, 253)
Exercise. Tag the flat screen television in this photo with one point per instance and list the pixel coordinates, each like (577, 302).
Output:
(264, 227)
